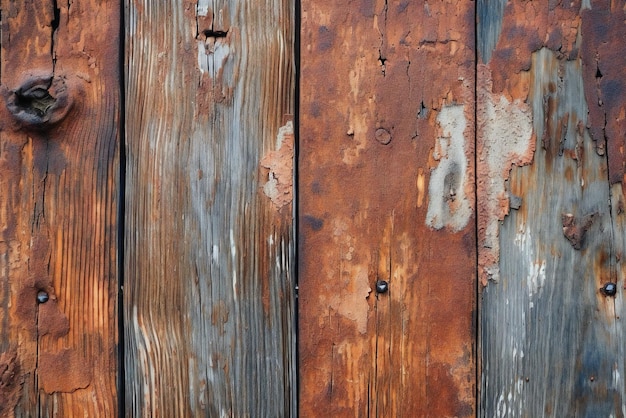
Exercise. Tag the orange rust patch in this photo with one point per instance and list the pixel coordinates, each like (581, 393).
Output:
(51, 321)
(65, 371)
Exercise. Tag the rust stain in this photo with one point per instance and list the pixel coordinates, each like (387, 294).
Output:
(575, 229)
(279, 186)
(64, 371)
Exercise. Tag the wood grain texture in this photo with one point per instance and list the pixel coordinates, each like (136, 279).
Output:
(209, 299)
(386, 170)
(552, 342)
(59, 187)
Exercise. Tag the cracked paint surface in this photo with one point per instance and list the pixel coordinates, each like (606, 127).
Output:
(279, 186)
(380, 132)
(506, 140)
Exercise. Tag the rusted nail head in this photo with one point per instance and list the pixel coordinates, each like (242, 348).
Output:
(382, 286)
(383, 136)
(609, 289)
(42, 297)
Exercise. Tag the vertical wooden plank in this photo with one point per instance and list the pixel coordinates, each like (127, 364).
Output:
(548, 150)
(209, 298)
(59, 130)
(386, 169)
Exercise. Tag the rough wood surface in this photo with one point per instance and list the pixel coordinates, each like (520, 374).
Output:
(386, 170)
(208, 293)
(59, 131)
(550, 151)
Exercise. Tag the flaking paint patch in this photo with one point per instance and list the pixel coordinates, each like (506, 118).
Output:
(279, 186)
(448, 205)
(505, 139)
(64, 371)
(202, 7)
(352, 270)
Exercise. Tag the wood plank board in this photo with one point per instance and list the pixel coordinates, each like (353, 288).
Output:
(59, 188)
(209, 250)
(386, 192)
(550, 143)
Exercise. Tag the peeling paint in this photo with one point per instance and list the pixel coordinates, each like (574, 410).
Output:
(64, 371)
(203, 7)
(448, 205)
(279, 186)
(548, 291)
(352, 269)
(353, 305)
(506, 140)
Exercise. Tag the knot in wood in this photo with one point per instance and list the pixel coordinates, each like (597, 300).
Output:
(39, 102)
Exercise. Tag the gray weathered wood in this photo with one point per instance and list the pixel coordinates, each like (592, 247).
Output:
(551, 340)
(209, 302)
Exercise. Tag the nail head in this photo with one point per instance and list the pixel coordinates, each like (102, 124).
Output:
(609, 289)
(382, 286)
(383, 136)
(42, 297)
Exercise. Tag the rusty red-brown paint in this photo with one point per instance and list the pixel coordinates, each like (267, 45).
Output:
(378, 83)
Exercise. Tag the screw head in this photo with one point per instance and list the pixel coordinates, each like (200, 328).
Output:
(42, 297)
(609, 289)
(382, 286)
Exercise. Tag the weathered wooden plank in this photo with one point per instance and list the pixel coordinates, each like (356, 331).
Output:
(209, 298)
(604, 57)
(59, 187)
(551, 340)
(386, 192)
